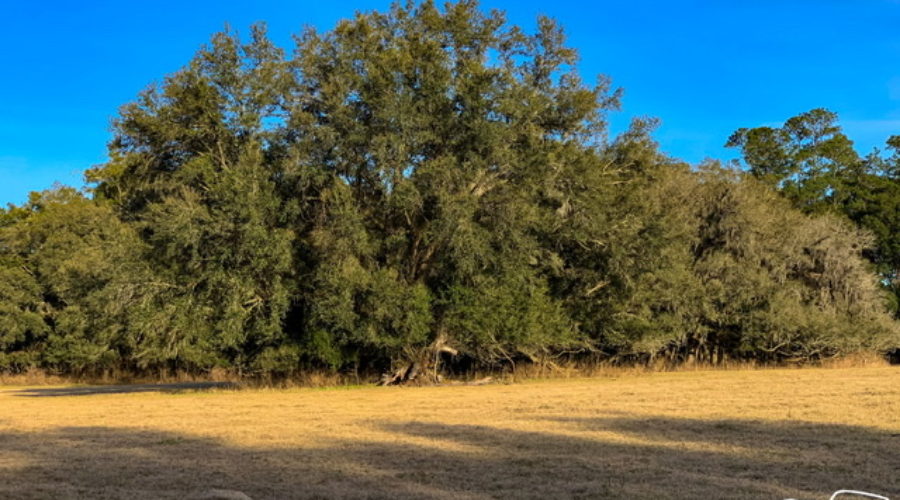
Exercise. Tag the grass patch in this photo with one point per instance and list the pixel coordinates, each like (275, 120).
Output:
(747, 434)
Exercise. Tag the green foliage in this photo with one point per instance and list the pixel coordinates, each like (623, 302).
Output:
(432, 180)
(71, 275)
(506, 317)
(709, 264)
(191, 170)
(441, 141)
(807, 158)
(814, 165)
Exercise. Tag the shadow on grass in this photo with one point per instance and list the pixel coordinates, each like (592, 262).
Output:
(92, 390)
(575, 458)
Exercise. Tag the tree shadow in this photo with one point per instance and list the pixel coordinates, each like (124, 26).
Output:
(92, 390)
(618, 457)
(664, 457)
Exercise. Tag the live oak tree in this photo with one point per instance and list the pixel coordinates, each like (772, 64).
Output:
(423, 186)
(812, 162)
(708, 264)
(409, 162)
(70, 279)
(192, 170)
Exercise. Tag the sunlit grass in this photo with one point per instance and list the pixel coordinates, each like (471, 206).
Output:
(711, 434)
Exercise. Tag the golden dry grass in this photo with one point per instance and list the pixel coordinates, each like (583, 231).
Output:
(706, 434)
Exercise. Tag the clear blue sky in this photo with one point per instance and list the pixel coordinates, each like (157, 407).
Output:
(704, 68)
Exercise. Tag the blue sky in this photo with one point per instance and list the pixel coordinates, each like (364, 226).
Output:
(704, 68)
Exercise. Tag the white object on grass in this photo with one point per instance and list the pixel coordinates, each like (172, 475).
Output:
(852, 492)
(859, 494)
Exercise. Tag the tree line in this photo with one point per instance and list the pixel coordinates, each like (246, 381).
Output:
(431, 186)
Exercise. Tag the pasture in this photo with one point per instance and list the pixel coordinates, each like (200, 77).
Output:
(763, 434)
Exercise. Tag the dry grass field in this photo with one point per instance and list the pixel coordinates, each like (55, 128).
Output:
(709, 434)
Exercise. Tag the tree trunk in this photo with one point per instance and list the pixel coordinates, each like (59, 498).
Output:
(423, 367)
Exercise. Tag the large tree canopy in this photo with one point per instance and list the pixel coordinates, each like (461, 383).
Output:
(413, 186)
